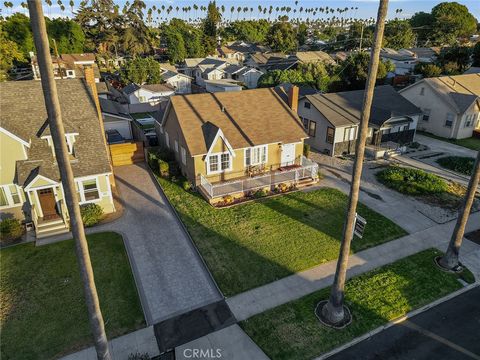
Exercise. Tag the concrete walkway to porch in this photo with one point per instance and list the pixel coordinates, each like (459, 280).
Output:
(295, 286)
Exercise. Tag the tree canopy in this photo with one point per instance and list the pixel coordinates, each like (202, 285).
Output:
(355, 70)
(282, 37)
(141, 71)
(452, 20)
(9, 54)
(247, 30)
(398, 35)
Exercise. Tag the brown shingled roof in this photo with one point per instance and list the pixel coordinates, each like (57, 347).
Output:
(249, 118)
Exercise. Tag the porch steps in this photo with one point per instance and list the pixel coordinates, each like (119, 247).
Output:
(50, 228)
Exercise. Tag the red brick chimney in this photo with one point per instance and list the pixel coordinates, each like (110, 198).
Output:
(293, 98)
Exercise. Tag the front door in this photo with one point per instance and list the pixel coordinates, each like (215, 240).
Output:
(47, 202)
(288, 154)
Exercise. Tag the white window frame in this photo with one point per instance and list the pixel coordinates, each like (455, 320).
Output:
(167, 140)
(184, 155)
(351, 131)
(81, 190)
(260, 155)
(449, 117)
(176, 146)
(426, 113)
(219, 162)
(9, 197)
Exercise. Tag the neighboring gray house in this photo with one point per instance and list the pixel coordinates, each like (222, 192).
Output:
(331, 120)
(450, 104)
(247, 75)
(404, 62)
(181, 83)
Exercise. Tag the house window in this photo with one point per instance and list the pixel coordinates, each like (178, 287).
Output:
(256, 155)
(3, 197)
(422, 91)
(184, 155)
(330, 135)
(176, 146)
(312, 128)
(306, 105)
(404, 127)
(213, 163)
(469, 120)
(9, 195)
(426, 114)
(90, 190)
(305, 123)
(349, 134)
(167, 140)
(225, 161)
(449, 120)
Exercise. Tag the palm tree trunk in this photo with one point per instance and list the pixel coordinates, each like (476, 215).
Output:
(450, 259)
(333, 311)
(61, 153)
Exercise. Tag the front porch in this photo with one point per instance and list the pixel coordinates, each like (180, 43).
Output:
(49, 215)
(303, 173)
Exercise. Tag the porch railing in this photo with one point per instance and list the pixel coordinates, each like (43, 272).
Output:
(307, 169)
(34, 215)
(64, 213)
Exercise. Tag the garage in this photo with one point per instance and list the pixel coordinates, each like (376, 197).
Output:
(122, 125)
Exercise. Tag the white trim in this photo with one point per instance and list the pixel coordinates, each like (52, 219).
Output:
(219, 158)
(9, 197)
(15, 137)
(183, 154)
(107, 177)
(82, 190)
(217, 136)
(52, 183)
(115, 116)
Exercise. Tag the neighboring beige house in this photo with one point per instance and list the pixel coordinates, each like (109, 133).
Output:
(68, 66)
(450, 104)
(231, 143)
(331, 120)
(30, 186)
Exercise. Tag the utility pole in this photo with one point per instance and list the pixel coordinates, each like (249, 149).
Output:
(361, 39)
(450, 259)
(58, 58)
(52, 105)
(333, 312)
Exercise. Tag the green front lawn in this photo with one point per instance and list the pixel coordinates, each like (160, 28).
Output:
(470, 143)
(43, 312)
(252, 244)
(292, 331)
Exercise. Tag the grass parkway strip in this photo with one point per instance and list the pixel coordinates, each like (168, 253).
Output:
(43, 313)
(255, 243)
(293, 332)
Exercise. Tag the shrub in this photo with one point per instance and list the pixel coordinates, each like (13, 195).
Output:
(306, 150)
(461, 164)
(260, 193)
(228, 199)
(282, 187)
(153, 160)
(163, 168)
(411, 181)
(91, 214)
(185, 184)
(10, 229)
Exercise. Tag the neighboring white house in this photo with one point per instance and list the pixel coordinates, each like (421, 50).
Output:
(180, 82)
(152, 94)
(116, 117)
(331, 120)
(450, 104)
(247, 75)
(404, 62)
(223, 85)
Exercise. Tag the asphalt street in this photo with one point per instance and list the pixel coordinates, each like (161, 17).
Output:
(449, 331)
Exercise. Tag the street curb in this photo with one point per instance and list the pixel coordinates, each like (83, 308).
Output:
(398, 320)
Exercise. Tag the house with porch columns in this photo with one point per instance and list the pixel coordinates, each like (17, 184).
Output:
(30, 186)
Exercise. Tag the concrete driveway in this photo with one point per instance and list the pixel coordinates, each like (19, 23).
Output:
(170, 275)
(443, 146)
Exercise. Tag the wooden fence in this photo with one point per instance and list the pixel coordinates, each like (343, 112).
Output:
(127, 153)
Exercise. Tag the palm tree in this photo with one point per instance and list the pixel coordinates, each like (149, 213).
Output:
(450, 259)
(333, 312)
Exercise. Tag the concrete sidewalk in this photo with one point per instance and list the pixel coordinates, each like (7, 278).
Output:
(293, 287)
(141, 341)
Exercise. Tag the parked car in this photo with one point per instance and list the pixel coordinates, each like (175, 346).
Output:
(114, 137)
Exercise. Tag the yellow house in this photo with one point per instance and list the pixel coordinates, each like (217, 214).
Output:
(30, 186)
(232, 143)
